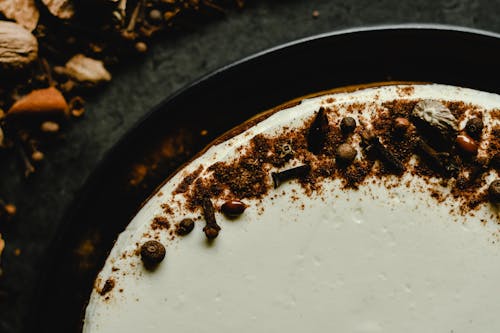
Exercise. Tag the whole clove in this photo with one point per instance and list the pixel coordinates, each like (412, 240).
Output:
(385, 155)
(211, 228)
(297, 172)
(441, 162)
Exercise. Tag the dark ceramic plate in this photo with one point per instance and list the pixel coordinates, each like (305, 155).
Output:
(175, 130)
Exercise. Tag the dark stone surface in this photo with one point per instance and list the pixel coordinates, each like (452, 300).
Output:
(171, 64)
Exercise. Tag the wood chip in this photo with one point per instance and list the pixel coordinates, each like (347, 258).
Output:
(23, 12)
(48, 101)
(18, 47)
(85, 69)
(62, 9)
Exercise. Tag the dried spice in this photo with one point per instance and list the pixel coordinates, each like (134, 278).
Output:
(347, 125)
(108, 286)
(401, 125)
(285, 151)
(385, 155)
(296, 172)
(474, 127)
(211, 228)
(18, 47)
(345, 154)
(494, 191)
(495, 161)
(185, 227)
(466, 144)
(152, 253)
(233, 208)
(441, 162)
(435, 122)
(94, 36)
(318, 132)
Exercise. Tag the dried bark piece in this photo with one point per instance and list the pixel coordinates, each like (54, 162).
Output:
(85, 69)
(23, 12)
(18, 47)
(62, 9)
(48, 101)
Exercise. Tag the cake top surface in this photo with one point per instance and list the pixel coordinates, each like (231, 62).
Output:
(366, 211)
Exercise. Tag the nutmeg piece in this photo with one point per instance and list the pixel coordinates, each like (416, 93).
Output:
(435, 121)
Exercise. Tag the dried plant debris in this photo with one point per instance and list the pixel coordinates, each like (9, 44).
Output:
(55, 51)
(85, 69)
(23, 12)
(40, 102)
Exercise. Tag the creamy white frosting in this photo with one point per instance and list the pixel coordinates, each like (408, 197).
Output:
(342, 260)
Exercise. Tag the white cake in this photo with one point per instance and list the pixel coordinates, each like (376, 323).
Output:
(361, 247)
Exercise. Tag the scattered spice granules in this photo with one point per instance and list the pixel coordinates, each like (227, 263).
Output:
(248, 176)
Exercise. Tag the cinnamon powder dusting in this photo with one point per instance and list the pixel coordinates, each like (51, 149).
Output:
(248, 175)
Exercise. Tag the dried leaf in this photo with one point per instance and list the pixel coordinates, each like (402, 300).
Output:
(18, 47)
(41, 102)
(23, 12)
(60, 8)
(85, 69)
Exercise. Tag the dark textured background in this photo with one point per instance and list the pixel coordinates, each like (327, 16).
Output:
(171, 64)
